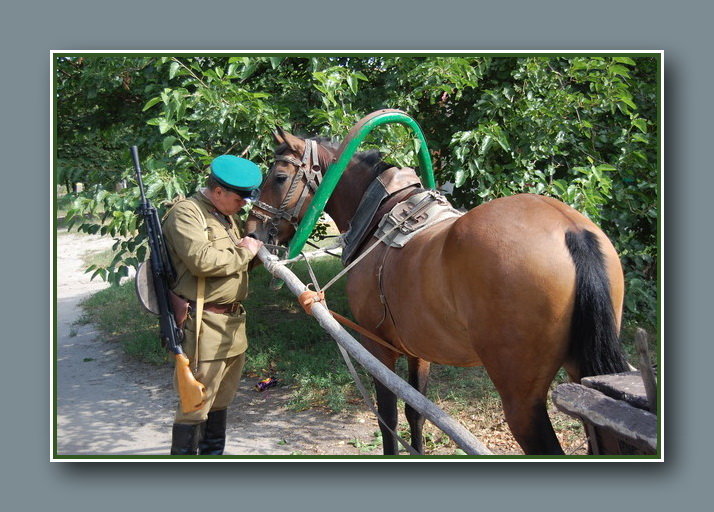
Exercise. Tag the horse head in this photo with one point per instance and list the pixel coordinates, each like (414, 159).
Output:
(292, 181)
(287, 189)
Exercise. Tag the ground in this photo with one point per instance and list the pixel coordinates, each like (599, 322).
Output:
(109, 404)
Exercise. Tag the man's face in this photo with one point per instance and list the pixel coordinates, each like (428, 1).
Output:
(228, 202)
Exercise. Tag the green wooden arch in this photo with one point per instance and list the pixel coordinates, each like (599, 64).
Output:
(348, 148)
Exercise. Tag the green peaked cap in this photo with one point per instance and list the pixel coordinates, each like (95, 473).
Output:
(235, 172)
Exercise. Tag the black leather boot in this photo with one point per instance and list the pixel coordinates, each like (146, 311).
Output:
(184, 438)
(214, 434)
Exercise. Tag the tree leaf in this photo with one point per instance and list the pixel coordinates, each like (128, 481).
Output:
(624, 60)
(275, 61)
(248, 71)
(606, 168)
(151, 103)
(168, 142)
(627, 100)
(164, 125)
(173, 69)
(641, 124)
(459, 178)
(616, 69)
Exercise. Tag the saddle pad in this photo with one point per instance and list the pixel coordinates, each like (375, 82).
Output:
(409, 217)
(391, 181)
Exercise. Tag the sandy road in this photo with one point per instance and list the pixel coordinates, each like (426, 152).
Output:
(108, 404)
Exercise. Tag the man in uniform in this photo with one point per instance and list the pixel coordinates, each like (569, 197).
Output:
(204, 240)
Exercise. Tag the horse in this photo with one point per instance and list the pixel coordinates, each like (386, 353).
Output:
(521, 285)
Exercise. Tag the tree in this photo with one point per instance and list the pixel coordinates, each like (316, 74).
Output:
(580, 128)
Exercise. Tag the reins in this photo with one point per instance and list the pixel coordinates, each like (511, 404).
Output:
(309, 297)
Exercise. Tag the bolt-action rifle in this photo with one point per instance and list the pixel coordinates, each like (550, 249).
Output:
(192, 393)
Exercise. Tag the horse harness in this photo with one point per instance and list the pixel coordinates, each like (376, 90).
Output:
(395, 205)
(309, 168)
(399, 222)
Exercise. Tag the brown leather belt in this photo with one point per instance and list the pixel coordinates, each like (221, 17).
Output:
(221, 309)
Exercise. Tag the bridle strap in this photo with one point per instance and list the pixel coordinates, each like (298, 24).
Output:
(288, 158)
(309, 168)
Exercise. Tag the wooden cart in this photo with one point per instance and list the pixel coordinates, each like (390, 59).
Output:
(622, 403)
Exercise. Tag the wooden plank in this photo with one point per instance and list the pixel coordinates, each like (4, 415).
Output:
(627, 386)
(635, 426)
(646, 368)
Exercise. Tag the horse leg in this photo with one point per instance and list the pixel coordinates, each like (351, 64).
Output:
(418, 378)
(386, 399)
(387, 409)
(531, 426)
(523, 394)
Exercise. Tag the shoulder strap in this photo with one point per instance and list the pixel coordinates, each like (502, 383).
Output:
(200, 284)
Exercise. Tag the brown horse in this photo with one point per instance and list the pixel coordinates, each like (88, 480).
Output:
(523, 285)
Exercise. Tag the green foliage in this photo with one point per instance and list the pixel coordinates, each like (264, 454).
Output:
(582, 128)
(374, 444)
(116, 312)
(286, 343)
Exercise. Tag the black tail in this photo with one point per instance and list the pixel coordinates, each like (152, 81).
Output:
(595, 344)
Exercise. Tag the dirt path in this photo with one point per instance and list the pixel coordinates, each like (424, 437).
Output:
(108, 404)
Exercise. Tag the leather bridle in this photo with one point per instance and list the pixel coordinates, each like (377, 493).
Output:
(309, 170)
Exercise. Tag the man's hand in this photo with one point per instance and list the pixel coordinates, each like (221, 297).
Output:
(252, 244)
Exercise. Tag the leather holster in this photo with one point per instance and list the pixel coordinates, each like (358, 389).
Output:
(179, 305)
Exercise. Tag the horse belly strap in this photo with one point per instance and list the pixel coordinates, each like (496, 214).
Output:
(409, 217)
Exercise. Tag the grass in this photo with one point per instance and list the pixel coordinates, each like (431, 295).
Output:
(99, 258)
(63, 203)
(284, 343)
(373, 444)
(291, 346)
(287, 344)
(117, 313)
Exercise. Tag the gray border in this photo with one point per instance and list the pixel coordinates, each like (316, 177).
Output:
(28, 33)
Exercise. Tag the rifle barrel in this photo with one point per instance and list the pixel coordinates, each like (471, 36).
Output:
(137, 166)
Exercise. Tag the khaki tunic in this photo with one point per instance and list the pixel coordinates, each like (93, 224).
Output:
(224, 266)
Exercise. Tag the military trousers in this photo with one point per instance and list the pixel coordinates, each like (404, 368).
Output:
(221, 378)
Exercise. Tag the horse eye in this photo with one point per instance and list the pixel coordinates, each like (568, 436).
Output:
(281, 178)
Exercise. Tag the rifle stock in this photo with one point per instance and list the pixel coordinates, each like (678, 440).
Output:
(192, 394)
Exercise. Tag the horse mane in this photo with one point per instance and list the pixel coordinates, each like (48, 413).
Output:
(372, 158)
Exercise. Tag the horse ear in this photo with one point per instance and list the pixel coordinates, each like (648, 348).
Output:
(279, 135)
(296, 144)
